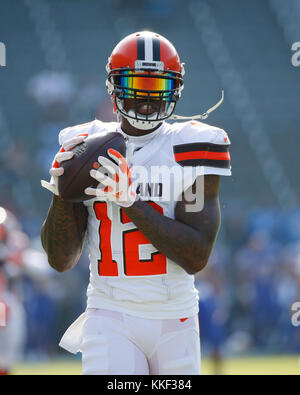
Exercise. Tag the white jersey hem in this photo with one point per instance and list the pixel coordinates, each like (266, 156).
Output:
(139, 311)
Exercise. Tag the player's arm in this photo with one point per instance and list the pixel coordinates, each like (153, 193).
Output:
(64, 229)
(188, 240)
(63, 233)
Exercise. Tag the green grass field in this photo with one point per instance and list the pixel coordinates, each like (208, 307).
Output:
(271, 365)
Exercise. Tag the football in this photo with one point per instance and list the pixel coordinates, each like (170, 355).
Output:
(76, 177)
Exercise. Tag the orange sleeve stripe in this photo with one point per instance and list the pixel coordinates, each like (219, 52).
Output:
(202, 155)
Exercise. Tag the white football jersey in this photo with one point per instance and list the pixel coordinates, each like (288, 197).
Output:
(127, 273)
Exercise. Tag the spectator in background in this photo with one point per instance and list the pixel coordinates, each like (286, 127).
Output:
(12, 329)
(214, 307)
(27, 288)
(255, 265)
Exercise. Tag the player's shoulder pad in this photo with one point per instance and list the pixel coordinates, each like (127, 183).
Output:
(200, 144)
(85, 129)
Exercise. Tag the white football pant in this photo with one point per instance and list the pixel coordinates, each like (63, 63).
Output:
(116, 343)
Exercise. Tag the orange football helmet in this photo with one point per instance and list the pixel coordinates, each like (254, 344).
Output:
(145, 66)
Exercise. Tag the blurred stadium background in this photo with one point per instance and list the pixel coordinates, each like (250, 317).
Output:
(56, 52)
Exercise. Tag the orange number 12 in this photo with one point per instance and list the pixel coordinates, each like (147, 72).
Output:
(131, 240)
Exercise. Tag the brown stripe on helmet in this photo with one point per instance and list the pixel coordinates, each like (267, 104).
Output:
(140, 48)
(156, 49)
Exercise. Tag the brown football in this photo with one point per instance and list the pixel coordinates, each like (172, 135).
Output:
(76, 177)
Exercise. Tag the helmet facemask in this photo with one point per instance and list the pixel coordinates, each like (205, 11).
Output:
(149, 86)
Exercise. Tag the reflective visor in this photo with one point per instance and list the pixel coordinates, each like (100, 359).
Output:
(139, 84)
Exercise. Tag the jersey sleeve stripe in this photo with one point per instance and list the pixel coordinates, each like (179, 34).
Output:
(201, 147)
(202, 155)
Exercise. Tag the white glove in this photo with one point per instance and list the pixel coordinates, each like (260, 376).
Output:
(56, 171)
(118, 188)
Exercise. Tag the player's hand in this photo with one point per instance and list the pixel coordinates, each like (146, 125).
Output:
(118, 186)
(63, 154)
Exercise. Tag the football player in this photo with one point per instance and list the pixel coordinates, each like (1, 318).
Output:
(145, 244)
(12, 313)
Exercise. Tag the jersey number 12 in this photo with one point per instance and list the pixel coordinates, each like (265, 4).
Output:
(132, 239)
